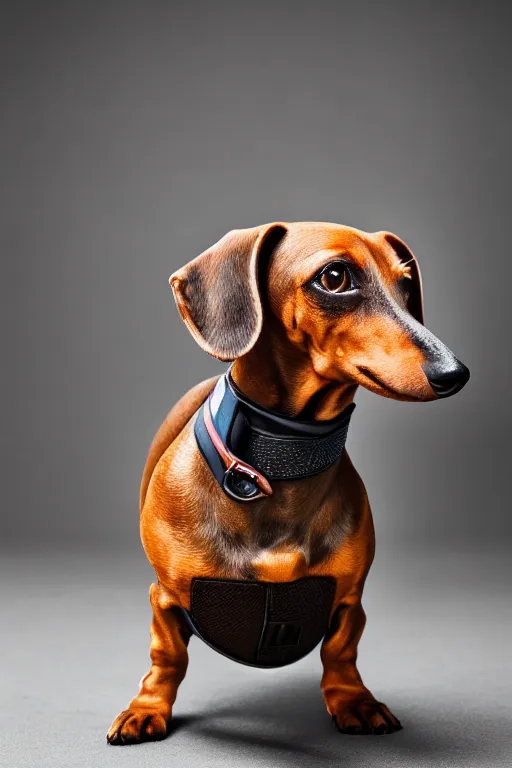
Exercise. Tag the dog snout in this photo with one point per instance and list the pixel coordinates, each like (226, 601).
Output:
(447, 380)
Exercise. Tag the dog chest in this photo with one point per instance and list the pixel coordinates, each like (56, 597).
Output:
(263, 624)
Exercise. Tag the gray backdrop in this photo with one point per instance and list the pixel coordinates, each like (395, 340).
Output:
(134, 135)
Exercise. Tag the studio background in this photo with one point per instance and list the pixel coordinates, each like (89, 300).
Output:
(133, 136)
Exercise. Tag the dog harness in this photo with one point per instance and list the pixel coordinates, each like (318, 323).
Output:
(262, 624)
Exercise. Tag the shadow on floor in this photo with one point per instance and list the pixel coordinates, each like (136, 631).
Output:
(290, 726)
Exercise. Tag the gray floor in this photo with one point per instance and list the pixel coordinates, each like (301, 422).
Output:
(75, 644)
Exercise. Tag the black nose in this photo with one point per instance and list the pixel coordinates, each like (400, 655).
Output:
(447, 381)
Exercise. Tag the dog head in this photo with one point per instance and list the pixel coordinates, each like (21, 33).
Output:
(349, 300)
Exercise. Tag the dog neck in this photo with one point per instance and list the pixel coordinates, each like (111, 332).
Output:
(247, 445)
(283, 379)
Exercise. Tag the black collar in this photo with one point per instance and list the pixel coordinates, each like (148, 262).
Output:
(246, 445)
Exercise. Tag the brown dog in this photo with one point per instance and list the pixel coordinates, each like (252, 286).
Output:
(308, 312)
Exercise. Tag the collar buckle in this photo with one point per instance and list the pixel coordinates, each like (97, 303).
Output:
(241, 481)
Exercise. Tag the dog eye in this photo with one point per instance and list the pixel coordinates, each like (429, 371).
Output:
(335, 278)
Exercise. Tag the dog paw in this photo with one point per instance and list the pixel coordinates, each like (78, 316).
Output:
(365, 716)
(135, 725)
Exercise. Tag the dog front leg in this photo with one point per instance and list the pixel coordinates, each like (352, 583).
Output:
(351, 705)
(148, 714)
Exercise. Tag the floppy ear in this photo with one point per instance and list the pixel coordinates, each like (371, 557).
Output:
(415, 300)
(218, 295)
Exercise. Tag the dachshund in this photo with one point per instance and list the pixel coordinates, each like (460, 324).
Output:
(305, 312)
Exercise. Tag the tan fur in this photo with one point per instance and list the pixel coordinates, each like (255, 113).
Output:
(172, 426)
(298, 359)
